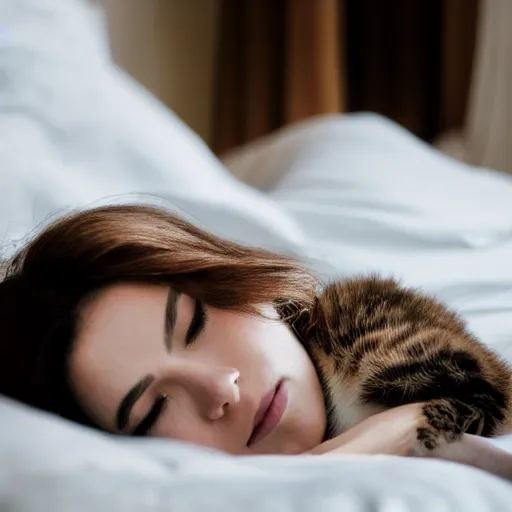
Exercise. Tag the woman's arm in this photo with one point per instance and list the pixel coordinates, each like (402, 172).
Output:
(394, 432)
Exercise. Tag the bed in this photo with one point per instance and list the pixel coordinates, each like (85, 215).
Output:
(345, 194)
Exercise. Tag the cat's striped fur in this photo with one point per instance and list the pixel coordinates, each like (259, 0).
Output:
(378, 345)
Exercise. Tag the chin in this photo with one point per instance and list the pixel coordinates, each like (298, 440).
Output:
(300, 445)
(296, 450)
(297, 447)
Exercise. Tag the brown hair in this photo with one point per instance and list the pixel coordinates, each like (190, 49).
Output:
(47, 281)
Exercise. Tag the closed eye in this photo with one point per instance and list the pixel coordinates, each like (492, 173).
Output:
(149, 421)
(197, 323)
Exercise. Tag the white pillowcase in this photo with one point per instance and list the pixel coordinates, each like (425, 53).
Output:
(75, 131)
(76, 469)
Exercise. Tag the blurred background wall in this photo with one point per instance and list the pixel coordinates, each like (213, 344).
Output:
(237, 69)
(169, 46)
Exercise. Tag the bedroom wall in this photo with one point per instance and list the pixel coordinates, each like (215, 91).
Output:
(168, 46)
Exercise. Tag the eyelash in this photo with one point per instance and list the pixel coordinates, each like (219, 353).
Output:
(197, 324)
(152, 417)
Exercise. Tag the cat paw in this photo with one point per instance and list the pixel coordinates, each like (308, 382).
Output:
(443, 421)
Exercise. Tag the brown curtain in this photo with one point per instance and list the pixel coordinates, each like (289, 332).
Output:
(280, 61)
(459, 44)
(411, 60)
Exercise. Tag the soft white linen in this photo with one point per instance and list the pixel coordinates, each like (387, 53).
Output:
(346, 195)
(76, 470)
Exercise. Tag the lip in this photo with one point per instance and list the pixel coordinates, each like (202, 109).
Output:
(269, 414)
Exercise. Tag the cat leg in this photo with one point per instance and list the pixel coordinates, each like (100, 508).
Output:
(445, 421)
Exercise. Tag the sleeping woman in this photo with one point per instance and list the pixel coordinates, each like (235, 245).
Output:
(134, 321)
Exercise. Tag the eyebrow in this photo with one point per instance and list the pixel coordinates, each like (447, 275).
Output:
(170, 317)
(126, 405)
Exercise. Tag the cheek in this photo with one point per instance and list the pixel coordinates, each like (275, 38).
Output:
(181, 422)
(95, 395)
(235, 334)
(243, 342)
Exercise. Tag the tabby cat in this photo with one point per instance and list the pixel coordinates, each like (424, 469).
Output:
(379, 345)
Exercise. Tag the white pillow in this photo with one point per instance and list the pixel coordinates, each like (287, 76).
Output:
(50, 465)
(76, 131)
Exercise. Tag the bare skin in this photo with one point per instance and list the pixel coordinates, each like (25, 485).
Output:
(393, 432)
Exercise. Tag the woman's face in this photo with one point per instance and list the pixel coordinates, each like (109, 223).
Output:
(150, 361)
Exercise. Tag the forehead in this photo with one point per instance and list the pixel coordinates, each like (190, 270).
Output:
(118, 306)
(119, 315)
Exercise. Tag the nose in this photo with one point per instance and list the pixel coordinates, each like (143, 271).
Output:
(214, 389)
